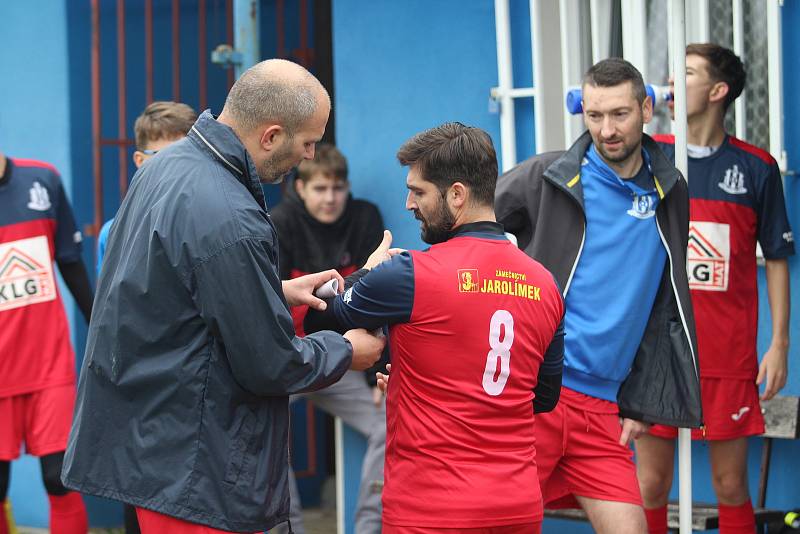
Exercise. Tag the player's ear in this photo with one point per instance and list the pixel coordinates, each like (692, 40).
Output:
(718, 92)
(270, 137)
(647, 109)
(138, 158)
(457, 195)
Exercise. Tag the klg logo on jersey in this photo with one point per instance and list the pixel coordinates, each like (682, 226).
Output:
(708, 256)
(26, 273)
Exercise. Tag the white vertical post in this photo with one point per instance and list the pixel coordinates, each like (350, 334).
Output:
(338, 433)
(634, 24)
(537, 58)
(505, 82)
(775, 68)
(600, 13)
(703, 22)
(678, 37)
(738, 49)
(571, 32)
(548, 64)
(566, 65)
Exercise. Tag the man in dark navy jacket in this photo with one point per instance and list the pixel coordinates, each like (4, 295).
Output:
(183, 396)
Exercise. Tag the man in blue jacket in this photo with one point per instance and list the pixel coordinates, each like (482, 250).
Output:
(609, 218)
(183, 397)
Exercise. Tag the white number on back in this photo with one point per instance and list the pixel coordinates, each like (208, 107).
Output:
(500, 350)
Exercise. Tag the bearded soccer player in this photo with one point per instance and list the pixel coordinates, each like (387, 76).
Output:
(737, 200)
(476, 344)
(37, 362)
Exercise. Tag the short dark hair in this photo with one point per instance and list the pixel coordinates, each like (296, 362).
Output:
(327, 160)
(616, 71)
(453, 153)
(163, 120)
(723, 66)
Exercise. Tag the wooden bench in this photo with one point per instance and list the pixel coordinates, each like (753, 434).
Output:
(781, 416)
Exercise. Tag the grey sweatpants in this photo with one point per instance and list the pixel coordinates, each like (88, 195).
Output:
(351, 399)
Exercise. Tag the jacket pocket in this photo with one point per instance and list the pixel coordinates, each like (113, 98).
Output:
(238, 449)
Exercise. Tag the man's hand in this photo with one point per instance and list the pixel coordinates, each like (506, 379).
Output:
(631, 430)
(383, 252)
(367, 348)
(383, 379)
(299, 291)
(377, 396)
(773, 369)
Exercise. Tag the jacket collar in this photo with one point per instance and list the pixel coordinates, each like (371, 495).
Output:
(565, 171)
(225, 146)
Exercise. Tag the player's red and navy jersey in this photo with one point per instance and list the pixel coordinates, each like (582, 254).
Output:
(472, 320)
(736, 199)
(37, 228)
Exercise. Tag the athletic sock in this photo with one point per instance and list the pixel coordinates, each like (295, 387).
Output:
(656, 520)
(737, 519)
(68, 514)
(3, 518)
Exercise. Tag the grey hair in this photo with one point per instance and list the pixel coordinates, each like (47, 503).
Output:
(257, 98)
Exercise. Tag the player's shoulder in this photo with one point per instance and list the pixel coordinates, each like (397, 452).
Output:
(34, 169)
(758, 157)
(664, 139)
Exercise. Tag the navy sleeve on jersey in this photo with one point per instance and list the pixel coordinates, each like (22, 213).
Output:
(67, 238)
(774, 232)
(554, 356)
(383, 296)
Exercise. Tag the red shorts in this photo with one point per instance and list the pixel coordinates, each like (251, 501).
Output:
(578, 453)
(155, 523)
(730, 409)
(526, 528)
(41, 420)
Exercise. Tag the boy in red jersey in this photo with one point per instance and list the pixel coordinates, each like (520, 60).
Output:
(736, 199)
(476, 343)
(37, 363)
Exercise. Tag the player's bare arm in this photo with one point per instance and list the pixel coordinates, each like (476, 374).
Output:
(773, 367)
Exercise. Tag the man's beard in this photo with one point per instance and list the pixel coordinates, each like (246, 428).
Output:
(276, 168)
(438, 226)
(624, 154)
(627, 152)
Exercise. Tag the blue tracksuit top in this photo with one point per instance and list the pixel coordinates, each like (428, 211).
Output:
(615, 283)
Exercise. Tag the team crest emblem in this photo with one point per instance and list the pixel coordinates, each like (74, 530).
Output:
(26, 273)
(733, 182)
(708, 256)
(642, 207)
(348, 296)
(468, 280)
(39, 198)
